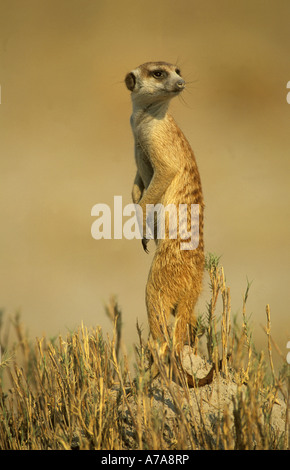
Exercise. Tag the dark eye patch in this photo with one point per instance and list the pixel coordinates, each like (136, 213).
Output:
(159, 74)
(178, 71)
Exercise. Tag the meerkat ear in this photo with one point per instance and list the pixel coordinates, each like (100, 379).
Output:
(130, 81)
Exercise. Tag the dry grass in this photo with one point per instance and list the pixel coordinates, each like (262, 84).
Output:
(79, 392)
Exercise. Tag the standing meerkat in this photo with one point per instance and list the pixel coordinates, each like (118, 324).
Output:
(167, 174)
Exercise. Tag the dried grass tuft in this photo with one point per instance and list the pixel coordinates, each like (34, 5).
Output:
(79, 392)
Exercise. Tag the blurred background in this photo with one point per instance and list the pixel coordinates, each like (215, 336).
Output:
(66, 145)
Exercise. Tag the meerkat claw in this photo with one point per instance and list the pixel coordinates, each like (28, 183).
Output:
(144, 244)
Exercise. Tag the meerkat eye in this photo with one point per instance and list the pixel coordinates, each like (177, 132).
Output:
(158, 74)
(178, 71)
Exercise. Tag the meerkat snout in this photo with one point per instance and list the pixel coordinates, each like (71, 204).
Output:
(180, 85)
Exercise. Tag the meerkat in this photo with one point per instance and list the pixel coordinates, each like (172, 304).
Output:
(167, 174)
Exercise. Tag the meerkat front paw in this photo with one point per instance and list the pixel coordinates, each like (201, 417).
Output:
(144, 244)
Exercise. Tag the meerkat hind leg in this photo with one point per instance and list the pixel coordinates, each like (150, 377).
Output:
(160, 305)
(184, 329)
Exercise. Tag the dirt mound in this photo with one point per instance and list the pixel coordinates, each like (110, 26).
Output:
(214, 414)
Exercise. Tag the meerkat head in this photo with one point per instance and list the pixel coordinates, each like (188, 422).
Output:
(154, 82)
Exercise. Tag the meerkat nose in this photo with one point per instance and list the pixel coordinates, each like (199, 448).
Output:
(180, 84)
